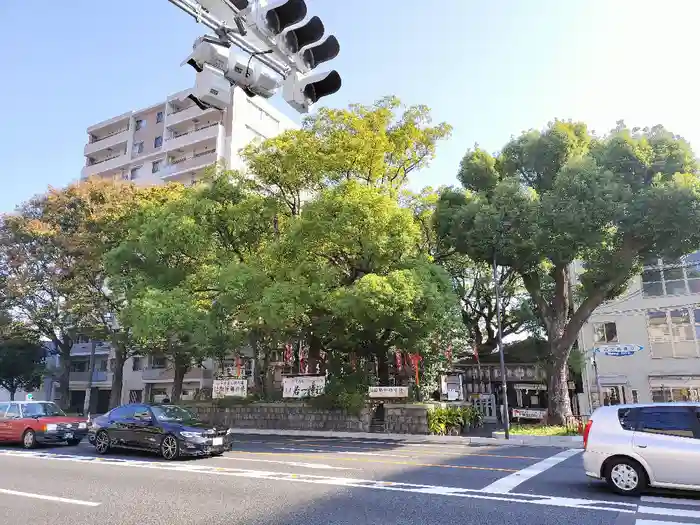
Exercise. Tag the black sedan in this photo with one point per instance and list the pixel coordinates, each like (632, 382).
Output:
(169, 430)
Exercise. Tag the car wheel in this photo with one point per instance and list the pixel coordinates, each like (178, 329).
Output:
(102, 442)
(73, 442)
(29, 439)
(626, 476)
(169, 448)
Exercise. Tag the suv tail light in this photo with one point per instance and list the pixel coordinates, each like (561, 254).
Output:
(586, 432)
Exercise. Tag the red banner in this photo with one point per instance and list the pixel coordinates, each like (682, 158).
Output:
(288, 354)
(238, 366)
(448, 354)
(399, 360)
(415, 361)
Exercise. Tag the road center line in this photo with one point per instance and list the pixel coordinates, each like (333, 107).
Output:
(49, 498)
(290, 463)
(413, 453)
(508, 483)
(383, 461)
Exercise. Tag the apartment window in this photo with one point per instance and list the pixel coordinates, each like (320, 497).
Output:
(635, 396)
(158, 142)
(135, 396)
(159, 362)
(155, 168)
(669, 395)
(138, 147)
(135, 172)
(112, 365)
(674, 333)
(140, 124)
(671, 276)
(605, 332)
(136, 364)
(159, 117)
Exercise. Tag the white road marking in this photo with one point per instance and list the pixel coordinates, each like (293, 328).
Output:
(670, 501)
(347, 452)
(49, 498)
(534, 499)
(290, 463)
(657, 522)
(508, 483)
(665, 511)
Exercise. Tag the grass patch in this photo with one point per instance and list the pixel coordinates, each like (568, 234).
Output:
(542, 430)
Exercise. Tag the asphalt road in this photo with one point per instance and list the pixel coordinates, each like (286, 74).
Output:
(286, 481)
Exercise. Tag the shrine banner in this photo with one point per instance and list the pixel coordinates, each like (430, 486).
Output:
(415, 363)
(399, 360)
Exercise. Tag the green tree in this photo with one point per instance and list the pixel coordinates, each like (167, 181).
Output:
(22, 357)
(553, 197)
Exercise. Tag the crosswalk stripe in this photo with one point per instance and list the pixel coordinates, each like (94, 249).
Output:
(665, 511)
(657, 522)
(671, 501)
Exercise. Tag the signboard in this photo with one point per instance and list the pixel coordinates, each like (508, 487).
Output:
(388, 391)
(618, 350)
(303, 386)
(530, 386)
(229, 388)
(529, 413)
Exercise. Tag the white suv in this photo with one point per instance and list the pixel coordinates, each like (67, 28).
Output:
(635, 446)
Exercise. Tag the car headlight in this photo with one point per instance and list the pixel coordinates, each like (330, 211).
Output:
(51, 427)
(82, 426)
(229, 432)
(191, 435)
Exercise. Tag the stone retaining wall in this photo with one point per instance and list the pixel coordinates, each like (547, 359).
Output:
(284, 416)
(398, 418)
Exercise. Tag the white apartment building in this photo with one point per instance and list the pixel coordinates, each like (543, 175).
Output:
(175, 140)
(654, 328)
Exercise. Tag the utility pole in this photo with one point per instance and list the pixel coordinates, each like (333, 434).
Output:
(506, 417)
(91, 371)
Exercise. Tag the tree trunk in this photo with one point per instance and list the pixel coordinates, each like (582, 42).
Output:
(91, 371)
(179, 376)
(64, 377)
(115, 395)
(12, 394)
(559, 406)
(383, 368)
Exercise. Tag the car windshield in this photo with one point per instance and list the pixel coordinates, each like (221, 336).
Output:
(172, 413)
(42, 409)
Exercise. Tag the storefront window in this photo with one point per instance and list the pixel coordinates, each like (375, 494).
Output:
(669, 395)
(614, 395)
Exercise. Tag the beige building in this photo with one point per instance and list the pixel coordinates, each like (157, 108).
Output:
(648, 339)
(175, 140)
(172, 141)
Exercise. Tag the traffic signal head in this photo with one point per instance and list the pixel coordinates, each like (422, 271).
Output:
(274, 16)
(302, 43)
(303, 91)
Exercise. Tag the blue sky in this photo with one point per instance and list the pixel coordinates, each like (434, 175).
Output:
(491, 68)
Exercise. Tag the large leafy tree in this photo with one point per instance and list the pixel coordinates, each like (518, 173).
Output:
(552, 197)
(22, 357)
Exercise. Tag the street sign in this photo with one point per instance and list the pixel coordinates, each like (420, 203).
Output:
(618, 350)
(529, 413)
(388, 391)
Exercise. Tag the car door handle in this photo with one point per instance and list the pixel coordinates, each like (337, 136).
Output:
(641, 446)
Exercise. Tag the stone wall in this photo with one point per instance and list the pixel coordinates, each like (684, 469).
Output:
(406, 419)
(284, 416)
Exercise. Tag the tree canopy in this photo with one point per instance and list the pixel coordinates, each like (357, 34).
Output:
(560, 195)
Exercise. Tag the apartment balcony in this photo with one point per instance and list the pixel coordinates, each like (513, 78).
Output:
(118, 137)
(179, 116)
(108, 164)
(193, 138)
(97, 377)
(188, 163)
(85, 349)
(167, 375)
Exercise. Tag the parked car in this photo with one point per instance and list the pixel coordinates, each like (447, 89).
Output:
(632, 447)
(39, 422)
(169, 430)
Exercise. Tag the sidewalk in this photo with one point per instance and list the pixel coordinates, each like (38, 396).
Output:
(531, 441)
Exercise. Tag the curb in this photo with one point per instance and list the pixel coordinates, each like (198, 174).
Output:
(531, 441)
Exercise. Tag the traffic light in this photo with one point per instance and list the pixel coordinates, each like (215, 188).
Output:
(303, 91)
(272, 17)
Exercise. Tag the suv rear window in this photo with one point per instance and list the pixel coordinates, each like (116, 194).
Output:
(626, 417)
(667, 421)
